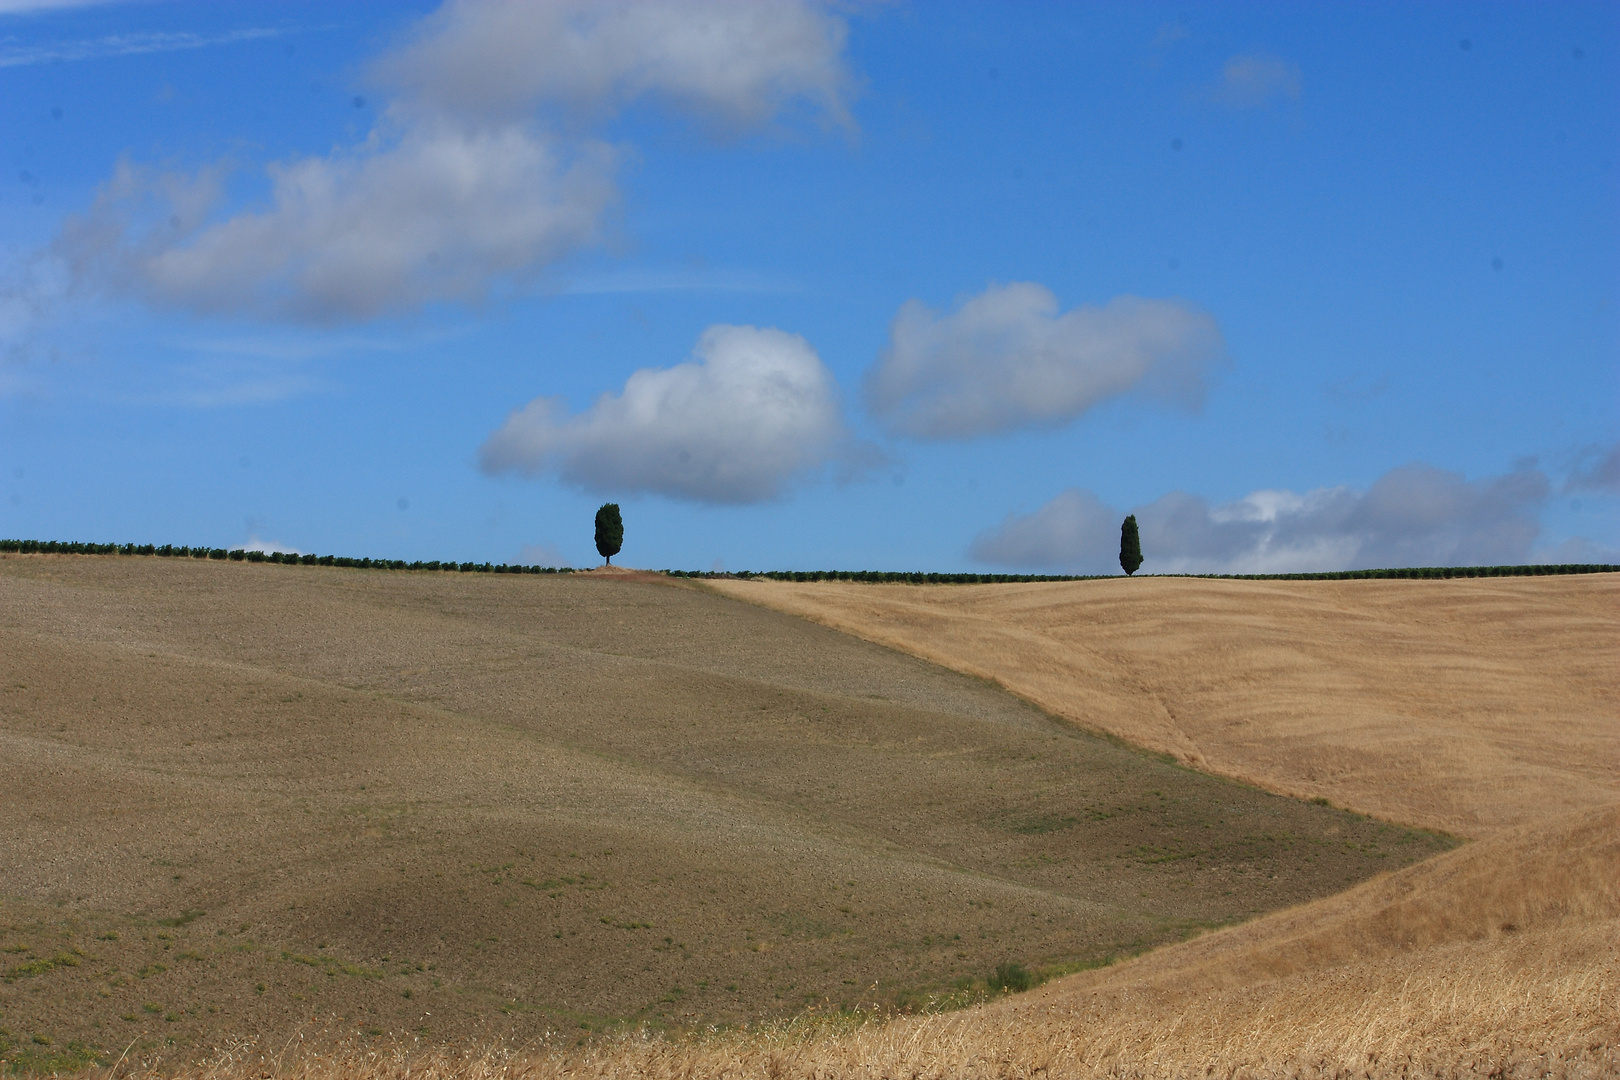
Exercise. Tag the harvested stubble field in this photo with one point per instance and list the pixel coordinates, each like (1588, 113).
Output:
(1469, 705)
(353, 810)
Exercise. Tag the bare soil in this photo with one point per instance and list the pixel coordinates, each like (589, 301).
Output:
(247, 801)
(1495, 960)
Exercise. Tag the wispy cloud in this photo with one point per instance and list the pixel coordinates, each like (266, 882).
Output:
(285, 349)
(542, 555)
(1415, 515)
(226, 372)
(14, 55)
(29, 290)
(252, 370)
(1578, 549)
(209, 389)
(1255, 79)
(1171, 32)
(1602, 475)
(35, 7)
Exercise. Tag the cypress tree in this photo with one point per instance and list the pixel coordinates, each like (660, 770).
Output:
(1130, 546)
(609, 531)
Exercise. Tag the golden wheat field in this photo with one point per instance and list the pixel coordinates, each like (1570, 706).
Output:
(721, 769)
(1470, 704)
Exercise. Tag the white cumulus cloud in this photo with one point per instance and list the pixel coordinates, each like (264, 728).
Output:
(443, 213)
(478, 175)
(739, 62)
(1415, 515)
(1008, 358)
(752, 410)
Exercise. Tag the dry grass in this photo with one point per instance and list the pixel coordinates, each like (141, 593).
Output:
(1468, 705)
(1483, 706)
(1445, 969)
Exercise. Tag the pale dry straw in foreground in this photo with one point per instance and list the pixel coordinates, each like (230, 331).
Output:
(1445, 969)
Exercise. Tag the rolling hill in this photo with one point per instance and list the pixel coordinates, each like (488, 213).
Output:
(322, 822)
(246, 801)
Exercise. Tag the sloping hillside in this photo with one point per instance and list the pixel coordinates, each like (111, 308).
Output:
(1499, 959)
(1470, 705)
(245, 801)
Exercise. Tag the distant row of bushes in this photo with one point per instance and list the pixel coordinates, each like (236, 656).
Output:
(888, 577)
(881, 577)
(1528, 570)
(919, 578)
(287, 558)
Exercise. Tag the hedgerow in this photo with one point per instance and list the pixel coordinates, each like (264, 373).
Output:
(884, 577)
(286, 558)
(888, 577)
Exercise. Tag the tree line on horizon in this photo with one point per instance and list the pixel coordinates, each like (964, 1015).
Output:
(911, 577)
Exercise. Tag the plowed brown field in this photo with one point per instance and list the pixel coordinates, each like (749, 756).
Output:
(1498, 960)
(261, 815)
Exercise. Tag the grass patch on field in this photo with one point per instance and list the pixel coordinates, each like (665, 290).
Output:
(40, 1054)
(188, 916)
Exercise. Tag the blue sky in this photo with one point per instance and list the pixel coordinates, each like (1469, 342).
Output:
(899, 286)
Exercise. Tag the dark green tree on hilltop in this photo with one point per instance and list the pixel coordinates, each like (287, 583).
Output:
(609, 531)
(1130, 545)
